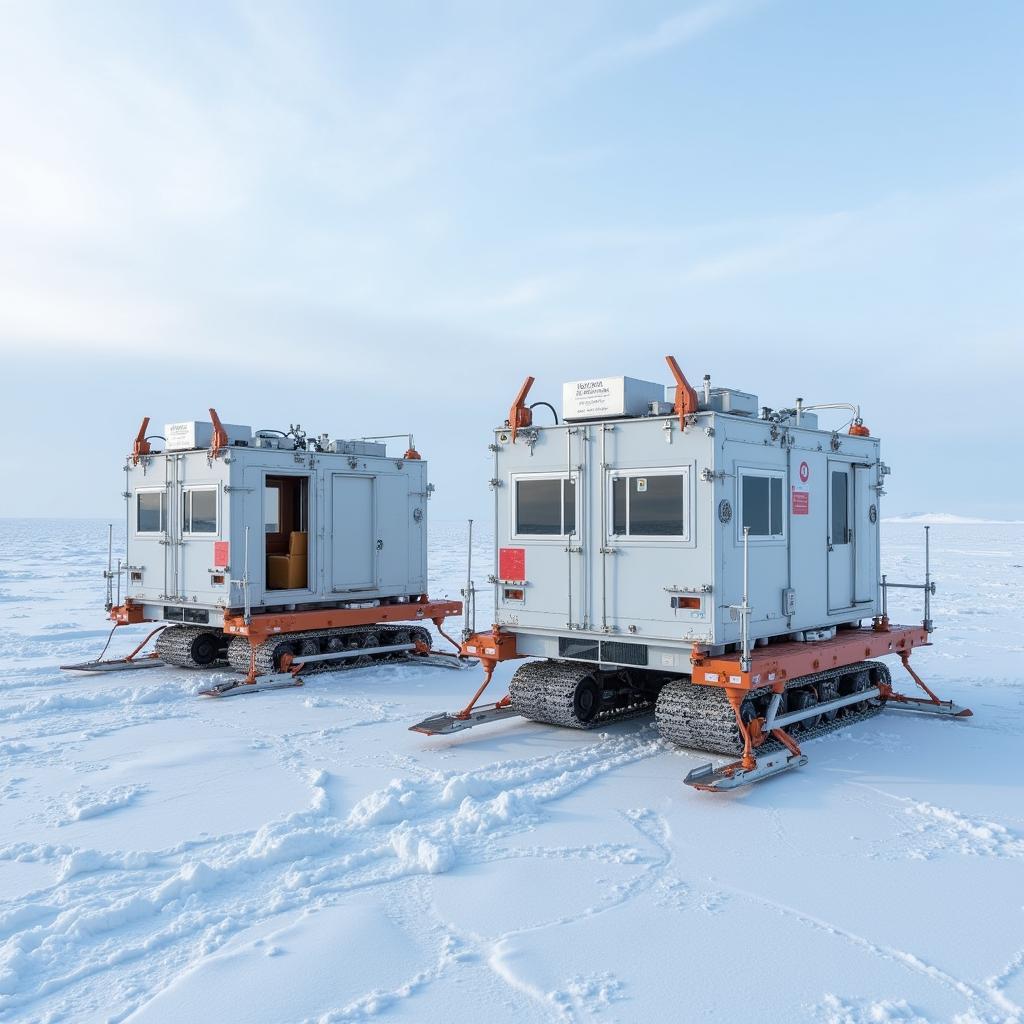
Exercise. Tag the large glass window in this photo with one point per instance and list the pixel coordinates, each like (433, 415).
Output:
(840, 507)
(546, 507)
(200, 510)
(649, 505)
(149, 514)
(761, 500)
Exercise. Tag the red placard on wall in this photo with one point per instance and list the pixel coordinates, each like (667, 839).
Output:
(512, 563)
(220, 554)
(801, 503)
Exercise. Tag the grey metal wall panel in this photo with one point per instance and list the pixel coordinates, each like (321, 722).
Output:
(354, 558)
(180, 567)
(600, 583)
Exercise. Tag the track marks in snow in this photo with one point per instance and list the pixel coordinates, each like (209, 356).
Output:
(589, 994)
(834, 1010)
(113, 925)
(986, 999)
(86, 804)
(943, 829)
(926, 830)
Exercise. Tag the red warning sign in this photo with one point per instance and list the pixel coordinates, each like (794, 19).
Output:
(805, 472)
(220, 554)
(512, 563)
(801, 502)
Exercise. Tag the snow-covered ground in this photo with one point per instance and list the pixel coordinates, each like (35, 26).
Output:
(299, 855)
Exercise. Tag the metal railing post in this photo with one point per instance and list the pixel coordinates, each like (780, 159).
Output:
(469, 623)
(927, 580)
(745, 612)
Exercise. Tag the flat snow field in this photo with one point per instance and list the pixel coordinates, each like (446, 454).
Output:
(300, 856)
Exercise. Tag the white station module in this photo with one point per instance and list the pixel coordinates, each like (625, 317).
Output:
(603, 397)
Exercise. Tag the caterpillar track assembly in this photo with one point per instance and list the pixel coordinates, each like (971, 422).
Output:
(274, 555)
(673, 549)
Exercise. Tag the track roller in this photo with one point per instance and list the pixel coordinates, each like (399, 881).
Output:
(191, 647)
(323, 641)
(575, 696)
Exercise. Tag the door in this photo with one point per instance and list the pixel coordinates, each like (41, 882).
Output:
(393, 518)
(354, 540)
(648, 512)
(865, 537)
(841, 547)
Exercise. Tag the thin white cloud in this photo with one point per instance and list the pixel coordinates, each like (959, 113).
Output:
(670, 34)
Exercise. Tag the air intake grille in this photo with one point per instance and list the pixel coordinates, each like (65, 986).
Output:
(611, 651)
(576, 647)
(623, 654)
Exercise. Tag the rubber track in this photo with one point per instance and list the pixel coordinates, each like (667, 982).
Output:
(174, 646)
(701, 718)
(543, 691)
(239, 651)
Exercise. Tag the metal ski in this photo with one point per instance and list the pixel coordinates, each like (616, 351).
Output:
(447, 722)
(233, 688)
(129, 661)
(732, 776)
(115, 664)
(439, 659)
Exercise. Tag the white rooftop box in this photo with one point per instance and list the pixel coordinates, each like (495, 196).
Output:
(609, 396)
(199, 434)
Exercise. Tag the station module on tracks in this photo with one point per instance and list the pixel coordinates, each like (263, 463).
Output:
(269, 551)
(682, 549)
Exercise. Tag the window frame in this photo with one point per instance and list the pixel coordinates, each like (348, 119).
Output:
(514, 480)
(848, 492)
(276, 488)
(769, 474)
(647, 538)
(186, 519)
(162, 491)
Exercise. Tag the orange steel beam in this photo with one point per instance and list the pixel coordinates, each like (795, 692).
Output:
(686, 398)
(776, 663)
(519, 415)
(220, 436)
(141, 446)
(263, 625)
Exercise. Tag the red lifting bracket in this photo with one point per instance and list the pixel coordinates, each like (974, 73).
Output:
(519, 415)
(141, 445)
(686, 397)
(220, 435)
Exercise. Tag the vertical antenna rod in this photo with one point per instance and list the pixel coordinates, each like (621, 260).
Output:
(469, 624)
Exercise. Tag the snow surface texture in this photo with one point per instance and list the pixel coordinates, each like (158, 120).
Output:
(299, 856)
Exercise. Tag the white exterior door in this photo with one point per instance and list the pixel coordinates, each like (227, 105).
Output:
(840, 540)
(354, 540)
(393, 518)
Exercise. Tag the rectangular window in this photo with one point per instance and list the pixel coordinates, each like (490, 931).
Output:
(546, 507)
(149, 514)
(761, 501)
(199, 512)
(651, 504)
(840, 507)
(271, 509)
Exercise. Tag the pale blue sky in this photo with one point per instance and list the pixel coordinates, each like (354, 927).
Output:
(381, 217)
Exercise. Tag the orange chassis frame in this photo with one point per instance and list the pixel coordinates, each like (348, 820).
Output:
(263, 625)
(772, 665)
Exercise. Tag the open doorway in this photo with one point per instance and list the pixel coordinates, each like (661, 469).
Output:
(286, 529)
